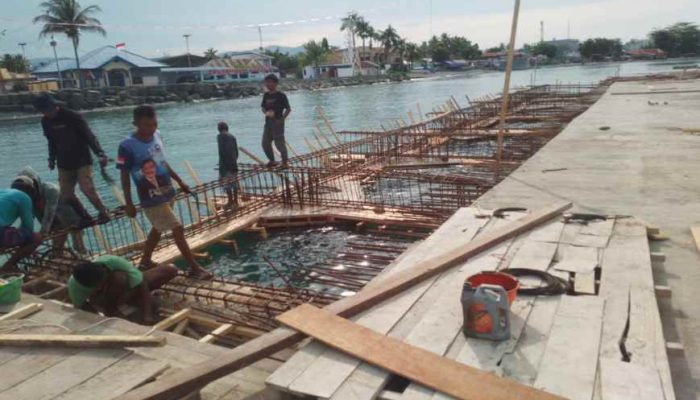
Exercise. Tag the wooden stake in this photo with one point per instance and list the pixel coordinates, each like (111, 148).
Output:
(173, 319)
(185, 381)
(22, 312)
(135, 225)
(310, 145)
(195, 177)
(251, 155)
(506, 86)
(81, 341)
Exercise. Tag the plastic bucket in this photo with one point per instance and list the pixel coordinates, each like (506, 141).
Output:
(11, 289)
(506, 281)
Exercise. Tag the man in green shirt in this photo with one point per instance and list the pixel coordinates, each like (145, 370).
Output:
(110, 281)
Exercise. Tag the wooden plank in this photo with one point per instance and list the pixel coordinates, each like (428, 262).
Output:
(413, 363)
(300, 374)
(439, 326)
(584, 282)
(116, 379)
(184, 382)
(173, 319)
(220, 331)
(31, 363)
(623, 381)
(62, 376)
(570, 359)
(534, 255)
(83, 341)
(695, 232)
(576, 258)
(22, 312)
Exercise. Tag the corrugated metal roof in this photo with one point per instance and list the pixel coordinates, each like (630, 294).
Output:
(99, 57)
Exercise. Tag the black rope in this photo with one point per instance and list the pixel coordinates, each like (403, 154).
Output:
(553, 285)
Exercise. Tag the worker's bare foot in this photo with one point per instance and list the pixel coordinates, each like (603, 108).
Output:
(198, 272)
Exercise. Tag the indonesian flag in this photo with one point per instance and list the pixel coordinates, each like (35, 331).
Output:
(121, 46)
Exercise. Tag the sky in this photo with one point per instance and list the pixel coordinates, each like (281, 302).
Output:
(155, 27)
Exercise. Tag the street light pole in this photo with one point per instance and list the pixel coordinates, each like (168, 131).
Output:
(187, 45)
(24, 54)
(58, 67)
(260, 37)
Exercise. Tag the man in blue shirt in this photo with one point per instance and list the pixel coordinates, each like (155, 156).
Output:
(17, 205)
(142, 159)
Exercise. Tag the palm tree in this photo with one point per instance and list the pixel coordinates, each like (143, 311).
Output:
(363, 31)
(70, 18)
(349, 24)
(315, 52)
(210, 54)
(390, 39)
(412, 53)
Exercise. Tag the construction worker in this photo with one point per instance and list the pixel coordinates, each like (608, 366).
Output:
(51, 210)
(111, 281)
(70, 141)
(228, 163)
(275, 106)
(17, 205)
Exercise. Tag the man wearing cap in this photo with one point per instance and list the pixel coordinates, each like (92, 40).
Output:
(53, 213)
(275, 106)
(70, 141)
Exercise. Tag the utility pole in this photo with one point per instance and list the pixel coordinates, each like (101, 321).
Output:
(506, 89)
(58, 67)
(541, 31)
(23, 45)
(187, 45)
(260, 37)
(431, 20)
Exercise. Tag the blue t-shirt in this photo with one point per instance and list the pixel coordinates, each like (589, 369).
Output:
(15, 204)
(145, 161)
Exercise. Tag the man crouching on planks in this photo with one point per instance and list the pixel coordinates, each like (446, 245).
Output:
(111, 281)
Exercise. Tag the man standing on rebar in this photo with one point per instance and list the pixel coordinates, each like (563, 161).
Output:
(228, 163)
(70, 141)
(275, 106)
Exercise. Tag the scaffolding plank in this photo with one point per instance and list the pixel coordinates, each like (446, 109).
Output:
(569, 363)
(66, 374)
(416, 364)
(336, 366)
(621, 381)
(438, 327)
(116, 379)
(182, 383)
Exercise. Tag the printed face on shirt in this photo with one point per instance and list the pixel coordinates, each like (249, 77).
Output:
(148, 169)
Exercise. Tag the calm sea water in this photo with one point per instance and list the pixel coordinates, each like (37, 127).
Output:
(189, 130)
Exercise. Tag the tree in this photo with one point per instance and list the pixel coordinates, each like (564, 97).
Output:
(499, 48)
(546, 49)
(210, 54)
(315, 53)
(70, 18)
(678, 39)
(412, 53)
(599, 48)
(390, 40)
(286, 63)
(14, 63)
(364, 31)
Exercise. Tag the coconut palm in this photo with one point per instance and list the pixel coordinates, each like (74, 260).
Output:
(390, 39)
(70, 18)
(210, 54)
(411, 52)
(349, 24)
(364, 31)
(315, 52)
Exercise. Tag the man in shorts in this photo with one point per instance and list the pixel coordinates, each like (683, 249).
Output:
(228, 163)
(275, 106)
(14, 205)
(141, 158)
(49, 208)
(70, 142)
(111, 281)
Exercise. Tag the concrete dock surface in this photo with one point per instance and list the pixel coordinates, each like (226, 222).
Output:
(633, 153)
